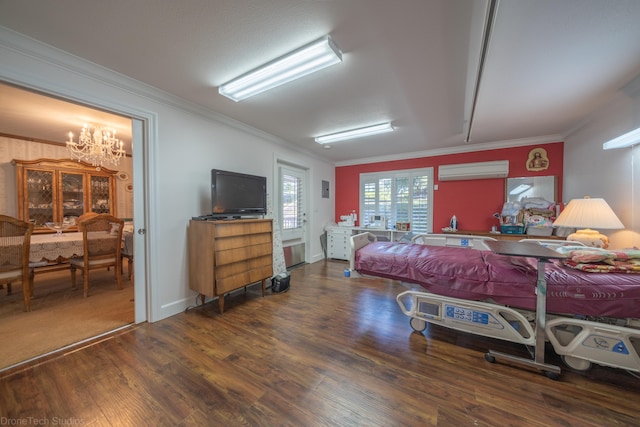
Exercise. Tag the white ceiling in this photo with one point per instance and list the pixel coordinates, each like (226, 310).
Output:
(549, 64)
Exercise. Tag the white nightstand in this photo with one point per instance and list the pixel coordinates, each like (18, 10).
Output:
(338, 242)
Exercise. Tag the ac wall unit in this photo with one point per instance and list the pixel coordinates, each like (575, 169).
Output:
(479, 170)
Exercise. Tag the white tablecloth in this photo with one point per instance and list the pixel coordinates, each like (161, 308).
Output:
(53, 246)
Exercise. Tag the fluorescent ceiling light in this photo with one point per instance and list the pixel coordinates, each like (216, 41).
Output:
(355, 133)
(305, 60)
(626, 140)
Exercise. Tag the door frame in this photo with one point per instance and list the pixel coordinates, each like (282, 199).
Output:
(143, 131)
(280, 161)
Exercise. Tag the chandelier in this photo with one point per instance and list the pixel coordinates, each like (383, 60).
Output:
(96, 145)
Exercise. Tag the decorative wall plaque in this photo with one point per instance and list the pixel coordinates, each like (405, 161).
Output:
(538, 160)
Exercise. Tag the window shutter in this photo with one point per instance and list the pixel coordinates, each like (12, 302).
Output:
(404, 196)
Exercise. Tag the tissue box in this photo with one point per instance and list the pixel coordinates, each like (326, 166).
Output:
(539, 231)
(512, 229)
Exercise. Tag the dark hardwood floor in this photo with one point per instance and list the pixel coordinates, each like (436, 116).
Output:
(333, 351)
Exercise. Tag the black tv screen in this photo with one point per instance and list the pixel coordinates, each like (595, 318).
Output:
(237, 194)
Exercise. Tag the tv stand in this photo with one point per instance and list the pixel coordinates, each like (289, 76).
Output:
(226, 255)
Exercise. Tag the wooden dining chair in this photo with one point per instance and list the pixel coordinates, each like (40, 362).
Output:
(15, 242)
(102, 241)
(86, 216)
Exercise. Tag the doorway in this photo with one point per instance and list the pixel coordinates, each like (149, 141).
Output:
(292, 202)
(130, 206)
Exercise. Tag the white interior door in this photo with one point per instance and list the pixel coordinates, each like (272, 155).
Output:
(139, 221)
(292, 203)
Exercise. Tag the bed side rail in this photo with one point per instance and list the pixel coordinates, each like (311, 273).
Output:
(480, 318)
(358, 241)
(581, 342)
(460, 240)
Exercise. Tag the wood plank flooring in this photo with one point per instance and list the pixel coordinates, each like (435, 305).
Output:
(333, 351)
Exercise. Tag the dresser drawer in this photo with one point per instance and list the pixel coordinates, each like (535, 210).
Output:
(242, 229)
(243, 253)
(243, 278)
(234, 242)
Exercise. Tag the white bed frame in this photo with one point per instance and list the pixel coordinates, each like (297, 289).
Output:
(579, 342)
(460, 240)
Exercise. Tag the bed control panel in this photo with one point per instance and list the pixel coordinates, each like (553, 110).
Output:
(467, 315)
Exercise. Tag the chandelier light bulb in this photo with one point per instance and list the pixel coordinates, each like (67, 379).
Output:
(96, 145)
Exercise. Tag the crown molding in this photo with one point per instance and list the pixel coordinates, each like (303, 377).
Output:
(468, 148)
(41, 52)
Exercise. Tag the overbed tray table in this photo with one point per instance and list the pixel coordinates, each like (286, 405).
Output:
(543, 255)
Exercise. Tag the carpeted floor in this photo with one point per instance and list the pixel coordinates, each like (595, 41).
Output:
(60, 316)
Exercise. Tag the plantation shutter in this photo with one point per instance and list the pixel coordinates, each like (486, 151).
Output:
(399, 196)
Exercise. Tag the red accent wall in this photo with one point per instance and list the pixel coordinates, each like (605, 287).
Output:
(473, 202)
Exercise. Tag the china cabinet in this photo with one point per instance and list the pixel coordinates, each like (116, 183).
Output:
(50, 190)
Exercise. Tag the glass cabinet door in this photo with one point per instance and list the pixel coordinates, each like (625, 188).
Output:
(100, 192)
(40, 197)
(72, 194)
(57, 190)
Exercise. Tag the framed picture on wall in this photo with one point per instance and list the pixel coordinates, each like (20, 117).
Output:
(538, 160)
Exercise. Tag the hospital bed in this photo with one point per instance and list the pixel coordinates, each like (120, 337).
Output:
(589, 317)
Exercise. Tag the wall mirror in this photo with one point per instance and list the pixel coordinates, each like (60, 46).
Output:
(531, 186)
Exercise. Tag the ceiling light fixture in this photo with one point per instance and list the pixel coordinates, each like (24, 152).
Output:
(355, 133)
(96, 145)
(305, 60)
(626, 140)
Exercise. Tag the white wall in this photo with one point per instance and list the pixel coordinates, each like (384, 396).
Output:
(184, 143)
(611, 174)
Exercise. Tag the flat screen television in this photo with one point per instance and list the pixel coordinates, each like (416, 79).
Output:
(236, 194)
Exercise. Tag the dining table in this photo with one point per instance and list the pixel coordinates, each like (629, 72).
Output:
(58, 247)
(55, 247)
(51, 252)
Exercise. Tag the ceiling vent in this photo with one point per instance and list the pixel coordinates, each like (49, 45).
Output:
(479, 170)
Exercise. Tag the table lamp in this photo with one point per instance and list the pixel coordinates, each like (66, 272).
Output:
(585, 213)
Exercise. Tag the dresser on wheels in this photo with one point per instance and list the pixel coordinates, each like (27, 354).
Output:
(338, 243)
(226, 255)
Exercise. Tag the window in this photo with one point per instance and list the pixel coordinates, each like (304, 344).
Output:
(399, 196)
(291, 203)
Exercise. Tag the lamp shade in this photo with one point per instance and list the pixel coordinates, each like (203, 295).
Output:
(588, 213)
(585, 214)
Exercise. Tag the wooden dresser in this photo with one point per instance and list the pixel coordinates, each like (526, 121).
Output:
(229, 255)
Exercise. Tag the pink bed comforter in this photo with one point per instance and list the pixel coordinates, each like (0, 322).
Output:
(484, 276)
